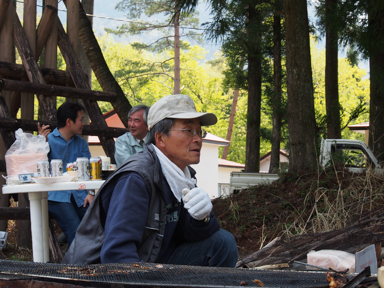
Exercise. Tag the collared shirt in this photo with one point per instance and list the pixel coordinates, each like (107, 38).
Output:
(126, 145)
(68, 152)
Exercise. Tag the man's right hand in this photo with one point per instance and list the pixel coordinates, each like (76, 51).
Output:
(43, 130)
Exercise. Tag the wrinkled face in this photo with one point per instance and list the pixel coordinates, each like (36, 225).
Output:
(77, 127)
(179, 147)
(136, 125)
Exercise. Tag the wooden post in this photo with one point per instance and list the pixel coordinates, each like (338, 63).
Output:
(27, 99)
(44, 31)
(73, 30)
(50, 53)
(24, 237)
(6, 48)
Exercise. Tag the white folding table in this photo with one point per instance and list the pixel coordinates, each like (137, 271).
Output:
(38, 197)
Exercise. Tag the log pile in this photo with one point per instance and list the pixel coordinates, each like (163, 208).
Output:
(286, 250)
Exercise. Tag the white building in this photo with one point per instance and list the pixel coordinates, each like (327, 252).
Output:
(212, 173)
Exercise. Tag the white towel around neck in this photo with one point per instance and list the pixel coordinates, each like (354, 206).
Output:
(176, 178)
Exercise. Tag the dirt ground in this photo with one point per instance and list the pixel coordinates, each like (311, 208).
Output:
(291, 205)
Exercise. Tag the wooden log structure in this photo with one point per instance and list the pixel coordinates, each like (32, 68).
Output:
(47, 83)
(54, 90)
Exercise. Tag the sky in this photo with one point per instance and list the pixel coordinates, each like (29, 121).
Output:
(105, 15)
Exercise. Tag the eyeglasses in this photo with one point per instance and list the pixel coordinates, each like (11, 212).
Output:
(193, 132)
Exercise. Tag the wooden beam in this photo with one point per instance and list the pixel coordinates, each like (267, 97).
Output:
(14, 213)
(80, 80)
(3, 10)
(31, 125)
(45, 27)
(52, 76)
(33, 72)
(53, 90)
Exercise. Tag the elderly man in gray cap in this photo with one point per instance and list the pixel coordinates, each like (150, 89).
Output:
(150, 209)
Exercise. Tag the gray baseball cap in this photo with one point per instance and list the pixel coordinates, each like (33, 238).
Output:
(177, 106)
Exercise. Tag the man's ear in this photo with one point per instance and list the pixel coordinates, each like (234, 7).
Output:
(68, 122)
(159, 138)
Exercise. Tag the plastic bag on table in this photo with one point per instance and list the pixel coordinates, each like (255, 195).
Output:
(25, 152)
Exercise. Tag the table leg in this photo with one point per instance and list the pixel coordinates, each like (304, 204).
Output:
(45, 224)
(36, 226)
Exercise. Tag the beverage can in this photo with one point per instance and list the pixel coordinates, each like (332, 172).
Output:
(71, 167)
(105, 162)
(43, 168)
(82, 164)
(95, 167)
(56, 167)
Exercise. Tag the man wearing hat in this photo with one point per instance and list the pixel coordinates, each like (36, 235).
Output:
(150, 209)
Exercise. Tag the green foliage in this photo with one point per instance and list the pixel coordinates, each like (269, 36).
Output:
(145, 77)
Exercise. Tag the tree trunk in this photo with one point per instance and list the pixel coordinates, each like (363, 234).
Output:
(231, 121)
(177, 79)
(277, 76)
(301, 114)
(252, 158)
(331, 72)
(100, 67)
(376, 63)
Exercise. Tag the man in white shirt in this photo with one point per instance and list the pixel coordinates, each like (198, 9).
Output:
(133, 141)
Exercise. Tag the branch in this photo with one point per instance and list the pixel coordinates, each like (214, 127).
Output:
(147, 74)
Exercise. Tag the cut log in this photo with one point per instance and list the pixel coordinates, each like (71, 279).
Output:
(286, 250)
(52, 76)
(54, 90)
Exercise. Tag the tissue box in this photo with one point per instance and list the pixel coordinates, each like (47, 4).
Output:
(23, 163)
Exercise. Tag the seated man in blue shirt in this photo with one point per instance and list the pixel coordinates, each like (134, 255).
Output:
(133, 141)
(68, 207)
(150, 209)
